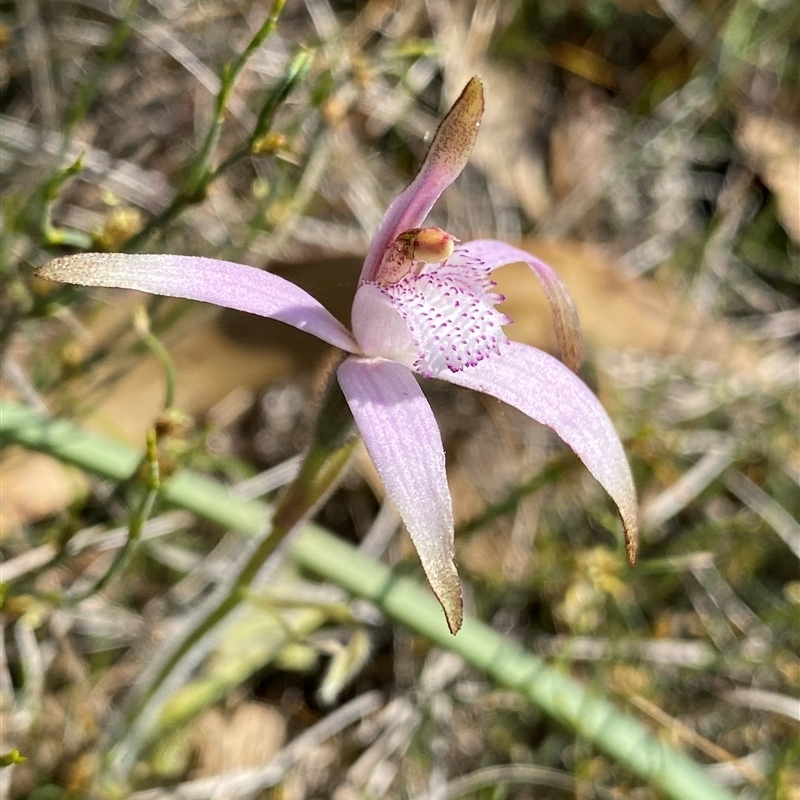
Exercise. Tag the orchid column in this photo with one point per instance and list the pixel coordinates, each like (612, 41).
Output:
(425, 307)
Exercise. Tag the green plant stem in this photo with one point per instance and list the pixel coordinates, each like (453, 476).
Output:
(154, 345)
(137, 521)
(230, 74)
(590, 715)
(144, 709)
(52, 235)
(324, 464)
(200, 173)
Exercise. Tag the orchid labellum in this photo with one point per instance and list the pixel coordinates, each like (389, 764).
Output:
(424, 306)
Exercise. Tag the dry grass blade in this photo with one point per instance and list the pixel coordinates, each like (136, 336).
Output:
(674, 499)
(772, 512)
(245, 783)
(767, 701)
(130, 182)
(693, 738)
(522, 774)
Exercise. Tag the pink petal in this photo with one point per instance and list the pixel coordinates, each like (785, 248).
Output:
(544, 389)
(402, 438)
(565, 316)
(222, 283)
(448, 155)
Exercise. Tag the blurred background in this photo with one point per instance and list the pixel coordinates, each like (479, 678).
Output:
(647, 149)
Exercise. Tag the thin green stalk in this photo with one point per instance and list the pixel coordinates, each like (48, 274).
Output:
(200, 173)
(141, 322)
(590, 715)
(52, 235)
(142, 712)
(230, 74)
(140, 515)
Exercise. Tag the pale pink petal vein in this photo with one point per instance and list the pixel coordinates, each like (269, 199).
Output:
(402, 438)
(544, 389)
(223, 283)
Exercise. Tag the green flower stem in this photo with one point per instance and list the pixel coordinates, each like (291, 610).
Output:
(141, 323)
(271, 534)
(52, 235)
(590, 715)
(230, 74)
(332, 446)
(200, 173)
(144, 711)
(137, 521)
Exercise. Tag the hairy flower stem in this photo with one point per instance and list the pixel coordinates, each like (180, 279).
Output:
(325, 462)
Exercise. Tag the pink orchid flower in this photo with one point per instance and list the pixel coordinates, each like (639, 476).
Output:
(425, 306)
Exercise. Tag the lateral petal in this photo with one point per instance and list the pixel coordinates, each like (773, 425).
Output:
(223, 283)
(403, 440)
(544, 389)
(448, 155)
(495, 254)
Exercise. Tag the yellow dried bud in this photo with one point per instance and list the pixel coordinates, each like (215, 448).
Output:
(120, 224)
(269, 144)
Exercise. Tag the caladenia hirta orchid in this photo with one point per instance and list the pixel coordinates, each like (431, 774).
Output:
(424, 306)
